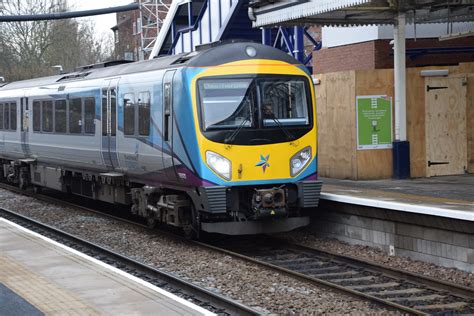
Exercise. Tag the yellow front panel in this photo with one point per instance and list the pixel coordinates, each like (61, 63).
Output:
(245, 158)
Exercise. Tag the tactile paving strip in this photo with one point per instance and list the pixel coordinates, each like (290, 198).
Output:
(39, 291)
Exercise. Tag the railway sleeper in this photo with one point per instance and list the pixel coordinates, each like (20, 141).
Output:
(412, 299)
(374, 286)
(353, 280)
(441, 307)
(409, 291)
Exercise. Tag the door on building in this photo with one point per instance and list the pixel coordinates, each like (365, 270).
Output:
(446, 137)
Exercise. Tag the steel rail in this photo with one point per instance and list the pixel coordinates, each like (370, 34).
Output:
(437, 285)
(317, 281)
(433, 284)
(219, 303)
(399, 273)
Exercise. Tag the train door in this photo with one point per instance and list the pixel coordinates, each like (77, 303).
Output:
(24, 126)
(109, 123)
(167, 143)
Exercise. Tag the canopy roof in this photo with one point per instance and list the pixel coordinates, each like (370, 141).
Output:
(359, 12)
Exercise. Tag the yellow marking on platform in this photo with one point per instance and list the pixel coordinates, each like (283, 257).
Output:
(39, 291)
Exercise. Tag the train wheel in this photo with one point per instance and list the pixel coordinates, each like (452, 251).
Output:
(193, 229)
(151, 221)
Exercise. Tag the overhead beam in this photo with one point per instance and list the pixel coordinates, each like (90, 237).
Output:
(67, 15)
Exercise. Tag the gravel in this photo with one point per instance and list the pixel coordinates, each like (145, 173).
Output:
(308, 239)
(263, 289)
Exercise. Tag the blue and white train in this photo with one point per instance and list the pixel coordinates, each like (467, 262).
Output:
(220, 140)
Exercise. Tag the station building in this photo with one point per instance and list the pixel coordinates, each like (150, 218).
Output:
(358, 61)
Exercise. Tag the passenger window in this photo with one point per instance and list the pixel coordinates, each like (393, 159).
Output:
(6, 117)
(60, 116)
(144, 113)
(1, 115)
(36, 116)
(89, 115)
(13, 116)
(129, 114)
(75, 116)
(47, 116)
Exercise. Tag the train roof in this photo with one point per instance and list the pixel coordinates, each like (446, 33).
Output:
(206, 56)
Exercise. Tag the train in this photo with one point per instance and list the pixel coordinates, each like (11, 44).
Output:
(220, 140)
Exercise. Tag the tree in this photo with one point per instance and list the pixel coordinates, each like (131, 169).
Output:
(29, 49)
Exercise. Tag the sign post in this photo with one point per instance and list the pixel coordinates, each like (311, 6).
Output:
(374, 122)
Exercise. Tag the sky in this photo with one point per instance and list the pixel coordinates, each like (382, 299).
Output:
(103, 23)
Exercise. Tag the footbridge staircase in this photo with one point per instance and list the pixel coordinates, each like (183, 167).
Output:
(191, 23)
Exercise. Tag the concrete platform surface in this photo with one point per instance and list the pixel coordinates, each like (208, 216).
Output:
(40, 276)
(448, 196)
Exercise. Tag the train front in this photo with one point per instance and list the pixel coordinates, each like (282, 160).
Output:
(256, 138)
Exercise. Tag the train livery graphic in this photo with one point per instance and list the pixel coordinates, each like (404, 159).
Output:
(219, 140)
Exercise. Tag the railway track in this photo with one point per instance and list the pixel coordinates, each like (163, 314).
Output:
(397, 289)
(393, 288)
(213, 302)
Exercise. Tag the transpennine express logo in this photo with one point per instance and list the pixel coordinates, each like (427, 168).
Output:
(263, 162)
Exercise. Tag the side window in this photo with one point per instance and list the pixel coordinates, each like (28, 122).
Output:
(6, 116)
(47, 116)
(13, 116)
(144, 113)
(60, 121)
(129, 114)
(75, 116)
(36, 116)
(89, 115)
(1, 115)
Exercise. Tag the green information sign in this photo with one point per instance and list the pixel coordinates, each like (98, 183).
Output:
(374, 122)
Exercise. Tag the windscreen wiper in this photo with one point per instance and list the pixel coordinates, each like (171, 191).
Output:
(234, 134)
(284, 129)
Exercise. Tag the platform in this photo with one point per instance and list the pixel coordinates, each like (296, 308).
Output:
(40, 276)
(448, 196)
(428, 219)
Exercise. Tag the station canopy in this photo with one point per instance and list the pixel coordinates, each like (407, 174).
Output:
(358, 12)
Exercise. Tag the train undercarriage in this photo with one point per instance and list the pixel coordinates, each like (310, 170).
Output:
(216, 209)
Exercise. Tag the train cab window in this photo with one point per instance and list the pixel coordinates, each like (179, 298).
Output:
(13, 116)
(75, 116)
(89, 115)
(60, 121)
(1, 116)
(36, 116)
(6, 116)
(284, 99)
(144, 113)
(129, 114)
(47, 116)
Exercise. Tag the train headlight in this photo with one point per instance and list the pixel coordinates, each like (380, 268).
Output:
(300, 160)
(219, 164)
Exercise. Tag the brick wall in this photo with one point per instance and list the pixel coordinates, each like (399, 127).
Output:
(379, 55)
(348, 57)
(129, 41)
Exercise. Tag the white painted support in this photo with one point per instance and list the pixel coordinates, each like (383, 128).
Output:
(400, 78)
